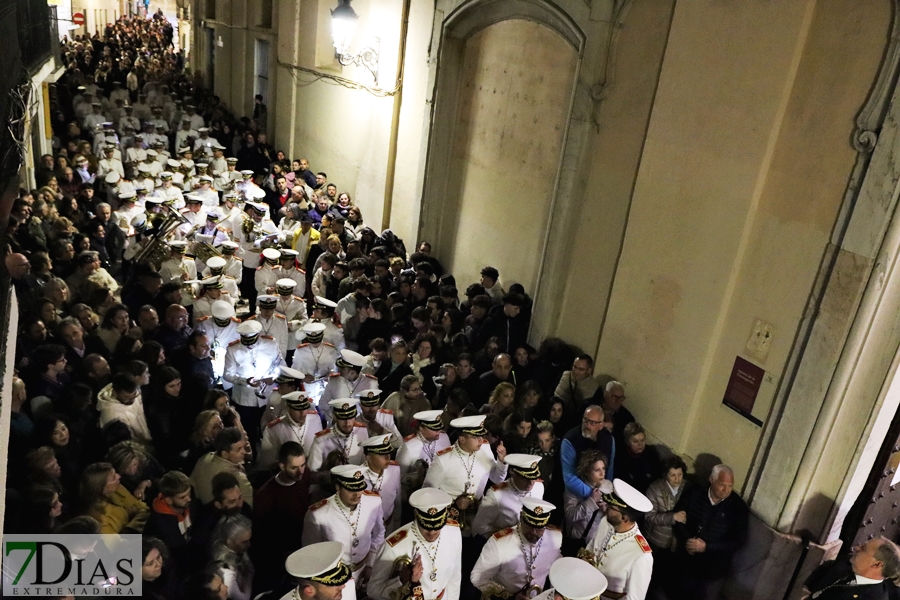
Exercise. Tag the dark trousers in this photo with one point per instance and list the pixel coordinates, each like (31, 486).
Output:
(472, 547)
(693, 586)
(248, 287)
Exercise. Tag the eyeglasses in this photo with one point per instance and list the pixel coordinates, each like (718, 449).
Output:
(587, 421)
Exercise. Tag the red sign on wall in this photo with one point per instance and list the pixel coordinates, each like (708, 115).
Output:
(743, 387)
(78, 19)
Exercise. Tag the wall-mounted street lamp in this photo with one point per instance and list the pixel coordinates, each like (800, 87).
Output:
(343, 27)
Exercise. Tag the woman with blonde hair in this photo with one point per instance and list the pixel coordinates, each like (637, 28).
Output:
(135, 466)
(502, 400)
(206, 426)
(109, 502)
(61, 228)
(57, 291)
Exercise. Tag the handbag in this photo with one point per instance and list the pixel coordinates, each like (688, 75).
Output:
(571, 546)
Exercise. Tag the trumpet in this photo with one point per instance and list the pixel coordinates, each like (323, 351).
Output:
(405, 560)
(193, 230)
(586, 555)
(248, 225)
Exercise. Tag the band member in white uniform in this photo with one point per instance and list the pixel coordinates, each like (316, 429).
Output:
(221, 329)
(618, 549)
(347, 435)
(274, 325)
(216, 266)
(377, 420)
(502, 504)
(251, 365)
(464, 469)
(288, 380)
(323, 312)
(348, 382)
(320, 572)
(574, 579)
(269, 272)
(316, 358)
(382, 476)
(289, 304)
(290, 270)
(352, 516)
(300, 424)
(418, 450)
(422, 559)
(516, 560)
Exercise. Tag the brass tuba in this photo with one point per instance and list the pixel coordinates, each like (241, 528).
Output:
(155, 249)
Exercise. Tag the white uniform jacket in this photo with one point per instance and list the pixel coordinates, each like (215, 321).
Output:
(340, 387)
(501, 506)
(387, 486)
(219, 339)
(625, 559)
(446, 566)
(275, 327)
(331, 439)
(502, 565)
(384, 418)
(329, 520)
(258, 361)
(285, 429)
(457, 472)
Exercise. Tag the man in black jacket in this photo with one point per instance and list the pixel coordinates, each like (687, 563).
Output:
(869, 574)
(195, 365)
(391, 372)
(171, 519)
(506, 323)
(501, 371)
(716, 528)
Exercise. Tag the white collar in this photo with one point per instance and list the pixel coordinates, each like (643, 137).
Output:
(860, 580)
(711, 501)
(281, 483)
(634, 530)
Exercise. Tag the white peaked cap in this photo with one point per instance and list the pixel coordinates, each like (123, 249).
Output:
(222, 309)
(575, 579)
(249, 328)
(625, 493)
(314, 560)
(536, 503)
(377, 440)
(354, 358)
(424, 499)
(313, 327)
(326, 302)
(468, 422)
(340, 402)
(428, 415)
(292, 373)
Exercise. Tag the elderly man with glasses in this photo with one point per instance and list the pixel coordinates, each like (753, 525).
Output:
(591, 434)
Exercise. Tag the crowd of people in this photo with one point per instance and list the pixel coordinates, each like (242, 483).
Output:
(217, 352)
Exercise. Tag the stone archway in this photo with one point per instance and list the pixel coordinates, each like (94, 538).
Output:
(469, 29)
